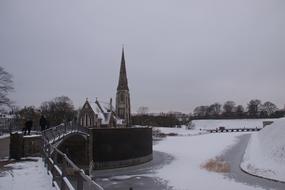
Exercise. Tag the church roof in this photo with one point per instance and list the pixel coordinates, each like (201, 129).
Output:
(105, 115)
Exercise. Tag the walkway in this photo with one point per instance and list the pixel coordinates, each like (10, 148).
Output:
(234, 156)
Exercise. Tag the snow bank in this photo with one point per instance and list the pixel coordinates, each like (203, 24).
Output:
(265, 154)
(229, 123)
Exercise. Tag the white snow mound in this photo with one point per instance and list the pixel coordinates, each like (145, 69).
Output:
(265, 153)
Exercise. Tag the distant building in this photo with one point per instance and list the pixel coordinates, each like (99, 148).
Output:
(94, 115)
(6, 122)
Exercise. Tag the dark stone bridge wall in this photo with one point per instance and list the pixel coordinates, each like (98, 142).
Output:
(118, 147)
(21, 146)
(75, 146)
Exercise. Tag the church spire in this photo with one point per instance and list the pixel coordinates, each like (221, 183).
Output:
(123, 80)
(123, 105)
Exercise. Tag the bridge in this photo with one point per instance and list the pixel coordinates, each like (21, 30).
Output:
(65, 173)
(230, 130)
(68, 151)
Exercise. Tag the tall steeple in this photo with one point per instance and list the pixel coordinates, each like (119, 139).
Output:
(123, 106)
(123, 80)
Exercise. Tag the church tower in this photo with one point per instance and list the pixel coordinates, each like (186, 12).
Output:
(123, 107)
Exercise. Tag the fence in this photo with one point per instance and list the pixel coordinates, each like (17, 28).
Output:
(56, 133)
(8, 125)
(65, 174)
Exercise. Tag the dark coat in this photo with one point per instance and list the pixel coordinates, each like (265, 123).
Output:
(43, 121)
(29, 124)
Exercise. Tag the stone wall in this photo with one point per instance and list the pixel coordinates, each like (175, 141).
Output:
(32, 145)
(120, 147)
(21, 146)
(75, 147)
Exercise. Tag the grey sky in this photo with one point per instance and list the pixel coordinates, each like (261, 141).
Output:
(179, 53)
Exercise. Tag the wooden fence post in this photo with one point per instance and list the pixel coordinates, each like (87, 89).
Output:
(79, 180)
(48, 156)
(63, 175)
(90, 144)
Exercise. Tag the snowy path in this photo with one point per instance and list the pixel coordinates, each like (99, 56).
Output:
(30, 174)
(234, 156)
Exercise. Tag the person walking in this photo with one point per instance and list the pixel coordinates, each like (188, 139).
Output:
(29, 125)
(43, 123)
(24, 130)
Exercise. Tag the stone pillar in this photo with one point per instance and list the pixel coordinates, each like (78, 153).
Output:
(16, 146)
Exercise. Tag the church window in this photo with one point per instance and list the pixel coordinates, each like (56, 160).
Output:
(122, 97)
(122, 113)
(86, 120)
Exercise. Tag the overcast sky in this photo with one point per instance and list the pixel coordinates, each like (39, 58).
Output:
(179, 53)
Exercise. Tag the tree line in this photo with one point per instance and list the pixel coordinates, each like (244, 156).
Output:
(254, 109)
(61, 109)
(56, 111)
(162, 120)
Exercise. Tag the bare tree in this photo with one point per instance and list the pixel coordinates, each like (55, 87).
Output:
(269, 108)
(214, 109)
(58, 110)
(253, 107)
(6, 86)
(240, 110)
(229, 107)
(201, 111)
(142, 110)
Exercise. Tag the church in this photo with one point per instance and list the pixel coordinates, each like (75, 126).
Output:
(103, 115)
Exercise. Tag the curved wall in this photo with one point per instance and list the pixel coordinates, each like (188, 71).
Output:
(120, 147)
(75, 146)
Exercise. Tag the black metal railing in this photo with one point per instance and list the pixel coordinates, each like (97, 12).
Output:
(57, 133)
(65, 174)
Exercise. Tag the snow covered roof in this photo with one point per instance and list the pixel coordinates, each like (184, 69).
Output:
(105, 116)
(104, 113)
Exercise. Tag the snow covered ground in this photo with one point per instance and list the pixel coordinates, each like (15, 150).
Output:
(190, 153)
(229, 123)
(265, 154)
(4, 136)
(30, 175)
